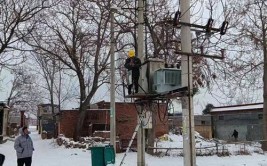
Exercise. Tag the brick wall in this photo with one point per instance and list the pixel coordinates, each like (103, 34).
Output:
(67, 122)
(126, 120)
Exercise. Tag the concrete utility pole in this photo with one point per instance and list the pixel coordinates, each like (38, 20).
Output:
(140, 51)
(112, 82)
(141, 139)
(140, 45)
(264, 144)
(187, 101)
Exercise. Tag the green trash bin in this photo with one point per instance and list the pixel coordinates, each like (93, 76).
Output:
(102, 155)
(109, 155)
(97, 156)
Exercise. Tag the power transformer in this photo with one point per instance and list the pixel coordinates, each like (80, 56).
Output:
(167, 79)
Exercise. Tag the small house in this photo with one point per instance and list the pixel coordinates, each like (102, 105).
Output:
(247, 119)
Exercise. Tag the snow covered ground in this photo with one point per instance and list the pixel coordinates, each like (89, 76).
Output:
(47, 153)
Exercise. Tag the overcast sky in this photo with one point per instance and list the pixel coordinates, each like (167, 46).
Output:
(200, 100)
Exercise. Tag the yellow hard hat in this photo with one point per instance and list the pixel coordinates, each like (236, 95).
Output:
(131, 53)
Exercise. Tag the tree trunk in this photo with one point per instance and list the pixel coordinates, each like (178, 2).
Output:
(79, 125)
(83, 106)
(53, 113)
(264, 144)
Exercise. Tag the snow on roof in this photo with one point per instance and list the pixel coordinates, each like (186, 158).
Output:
(238, 107)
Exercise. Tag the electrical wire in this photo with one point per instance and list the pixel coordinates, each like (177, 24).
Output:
(165, 113)
(182, 14)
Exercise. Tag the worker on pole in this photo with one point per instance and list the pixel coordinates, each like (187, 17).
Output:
(133, 65)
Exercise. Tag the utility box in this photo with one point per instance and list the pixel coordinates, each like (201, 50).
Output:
(167, 79)
(153, 64)
(147, 71)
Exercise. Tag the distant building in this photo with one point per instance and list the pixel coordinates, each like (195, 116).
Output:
(45, 118)
(16, 120)
(4, 110)
(247, 119)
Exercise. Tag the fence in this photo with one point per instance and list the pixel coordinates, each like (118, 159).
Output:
(219, 149)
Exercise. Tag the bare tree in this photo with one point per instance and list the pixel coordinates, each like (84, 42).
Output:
(48, 67)
(49, 72)
(252, 32)
(17, 20)
(223, 78)
(24, 92)
(239, 76)
(76, 34)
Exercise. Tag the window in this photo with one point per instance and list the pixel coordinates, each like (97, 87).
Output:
(260, 116)
(221, 117)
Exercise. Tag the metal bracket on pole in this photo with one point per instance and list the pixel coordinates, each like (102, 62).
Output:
(199, 26)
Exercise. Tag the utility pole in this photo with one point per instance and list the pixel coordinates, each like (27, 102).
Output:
(140, 138)
(264, 144)
(140, 45)
(140, 53)
(187, 101)
(112, 81)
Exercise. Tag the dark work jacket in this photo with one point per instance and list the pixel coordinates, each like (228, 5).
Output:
(136, 64)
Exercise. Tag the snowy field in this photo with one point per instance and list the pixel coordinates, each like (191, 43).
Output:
(47, 153)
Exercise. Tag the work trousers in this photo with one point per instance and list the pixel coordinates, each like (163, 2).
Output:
(27, 161)
(135, 83)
